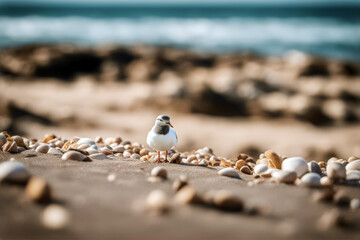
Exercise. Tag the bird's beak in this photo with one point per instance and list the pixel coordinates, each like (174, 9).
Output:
(169, 124)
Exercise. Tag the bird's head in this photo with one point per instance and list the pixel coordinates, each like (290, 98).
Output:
(162, 120)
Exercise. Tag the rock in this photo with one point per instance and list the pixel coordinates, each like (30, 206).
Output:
(99, 139)
(274, 159)
(341, 198)
(157, 202)
(187, 195)
(144, 152)
(106, 150)
(284, 176)
(311, 180)
(118, 149)
(73, 155)
(313, 167)
(245, 169)
(355, 204)
(180, 183)
(159, 172)
(176, 158)
(352, 175)
(19, 141)
(325, 181)
(336, 171)
(295, 164)
(55, 216)
(354, 165)
(99, 156)
(3, 138)
(38, 190)
(229, 172)
(43, 148)
(226, 201)
(55, 151)
(135, 156)
(13, 172)
(260, 168)
(86, 141)
(10, 146)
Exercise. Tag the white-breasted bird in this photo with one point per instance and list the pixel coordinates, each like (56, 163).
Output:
(162, 136)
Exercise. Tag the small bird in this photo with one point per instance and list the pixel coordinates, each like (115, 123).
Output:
(162, 136)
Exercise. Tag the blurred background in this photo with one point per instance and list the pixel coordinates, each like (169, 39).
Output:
(236, 76)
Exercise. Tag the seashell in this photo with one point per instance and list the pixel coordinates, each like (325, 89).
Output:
(245, 169)
(106, 151)
(144, 158)
(55, 151)
(214, 161)
(84, 146)
(229, 172)
(136, 150)
(127, 154)
(352, 158)
(226, 201)
(354, 165)
(38, 190)
(135, 156)
(204, 162)
(187, 195)
(99, 156)
(118, 149)
(336, 171)
(295, 164)
(224, 163)
(311, 180)
(179, 183)
(157, 202)
(48, 137)
(144, 152)
(13, 172)
(73, 155)
(159, 172)
(55, 216)
(274, 159)
(352, 175)
(205, 150)
(325, 181)
(239, 164)
(355, 203)
(196, 162)
(43, 148)
(86, 141)
(191, 158)
(314, 167)
(98, 139)
(260, 168)
(284, 176)
(10, 146)
(176, 158)
(59, 143)
(66, 146)
(19, 141)
(322, 164)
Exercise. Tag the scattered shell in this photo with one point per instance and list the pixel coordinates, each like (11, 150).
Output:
(239, 164)
(284, 176)
(19, 141)
(10, 146)
(13, 172)
(313, 167)
(55, 216)
(135, 156)
(43, 148)
(274, 159)
(48, 137)
(127, 154)
(180, 183)
(98, 139)
(295, 164)
(355, 204)
(260, 168)
(354, 165)
(246, 170)
(159, 172)
(352, 175)
(322, 164)
(86, 141)
(118, 149)
(106, 150)
(157, 202)
(112, 140)
(176, 158)
(99, 156)
(73, 155)
(311, 180)
(336, 171)
(352, 158)
(226, 201)
(187, 195)
(229, 172)
(144, 152)
(55, 151)
(38, 190)
(111, 177)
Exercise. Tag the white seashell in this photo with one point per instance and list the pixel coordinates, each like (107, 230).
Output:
(311, 180)
(229, 172)
(55, 217)
(260, 168)
(13, 171)
(99, 156)
(73, 155)
(352, 175)
(92, 150)
(354, 165)
(284, 176)
(295, 164)
(55, 151)
(127, 154)
(118, 149)
(86, 141)
(336, 171)
(109, 140)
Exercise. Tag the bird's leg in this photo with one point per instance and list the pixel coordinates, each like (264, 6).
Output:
(158, 156)
(166, 153)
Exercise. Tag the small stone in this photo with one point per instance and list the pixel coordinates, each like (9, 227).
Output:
(127, 154)
(187, 195)
(229, 172)
(311, 180)
(118, 149)
(355, 203)
(135, 156)
(55, 151)
(283, 176)
(180, 183)
(99, 156)
(352, 175)
(176, 158)
(274, 159)
(352, 158)
(13, 172)
(313, 167)
(295, 164)
(341, 198)
(111, 177)
(226, 201)
(214, 161)
(354, 165)
(43, 148)
(10, 146)
(98, 139)
(55, 216)
(38, 190)
(110, 140)
(245, 169)
(73, 155)
(260, 168)
(48, 137)
(325, 181)
(159, 172)
(86, 141)
(157, 202)
(19, 141)
(336, 171)
(239, 164)
(144, 152)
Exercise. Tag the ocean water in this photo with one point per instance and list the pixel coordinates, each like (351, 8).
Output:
(329, 31)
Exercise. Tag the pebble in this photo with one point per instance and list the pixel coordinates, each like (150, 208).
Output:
(354, 165)
(284, 176)
(311, 180)
(229, 172)
(157, 202)
(245, 169)
(127, 154)
(135, 156)
(325, 181)
(86, 141)
(313, 167)
(111, 140)
(73, 155)
(336, 171)
(98, 139)
(144, 152)
(13, 172)
(55, 217)
(179, 183)
(226, 201)
(106, 150)
(295, 164)
(38, 190)
(98, 156)
(355, 203)
(352, 158)
(43, 148)
(274, 159)
(10, 146)
(55, 151)
(118, 149)
(176, 158)
(187, 195)
(111, 177)
(3, 138)
(352, 175)
(260, 168)
(19, 141)
(159, 172)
